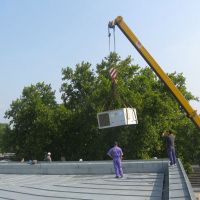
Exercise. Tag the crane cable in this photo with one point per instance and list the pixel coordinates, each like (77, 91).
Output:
(109, 35)
(113, 87)
(114, 83)
(114, 39)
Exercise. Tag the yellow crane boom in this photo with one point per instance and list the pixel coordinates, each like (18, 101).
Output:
(191, 113)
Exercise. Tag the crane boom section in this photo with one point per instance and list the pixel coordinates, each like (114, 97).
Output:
(192, 114)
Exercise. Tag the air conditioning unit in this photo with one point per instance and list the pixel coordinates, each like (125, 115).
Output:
(119, 117)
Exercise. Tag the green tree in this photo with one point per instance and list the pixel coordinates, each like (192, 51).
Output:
(7, 140)
(78, 92)
(2, 133)
(88, 93)
(32, 121)
(70, 129)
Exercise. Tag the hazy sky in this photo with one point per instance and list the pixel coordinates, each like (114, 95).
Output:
(40, 37)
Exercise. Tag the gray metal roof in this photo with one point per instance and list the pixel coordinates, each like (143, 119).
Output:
(143, 180)
(132, 186)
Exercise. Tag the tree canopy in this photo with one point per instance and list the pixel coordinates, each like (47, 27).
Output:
(38, 123)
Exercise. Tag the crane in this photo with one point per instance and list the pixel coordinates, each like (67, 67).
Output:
(191, 113)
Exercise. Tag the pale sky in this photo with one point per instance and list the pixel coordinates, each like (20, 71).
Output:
(40, 37)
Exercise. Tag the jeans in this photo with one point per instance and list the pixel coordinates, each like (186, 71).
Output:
(172, 155)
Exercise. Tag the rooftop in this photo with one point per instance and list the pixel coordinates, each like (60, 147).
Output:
(143, 180)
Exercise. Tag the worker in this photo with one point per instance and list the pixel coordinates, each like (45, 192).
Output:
(48, 157)
(116, 154)
(170, 138)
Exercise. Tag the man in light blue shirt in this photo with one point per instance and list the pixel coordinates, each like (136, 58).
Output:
(116, 154)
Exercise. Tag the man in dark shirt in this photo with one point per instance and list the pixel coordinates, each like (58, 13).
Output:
(170, 138)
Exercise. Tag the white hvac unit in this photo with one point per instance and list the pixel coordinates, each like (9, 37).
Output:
(119, 117)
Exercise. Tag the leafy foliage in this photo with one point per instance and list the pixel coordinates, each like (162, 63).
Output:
(32, 119)
(2, 133)
(39, 124)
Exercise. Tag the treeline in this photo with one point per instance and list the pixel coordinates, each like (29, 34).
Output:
(39, 124)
